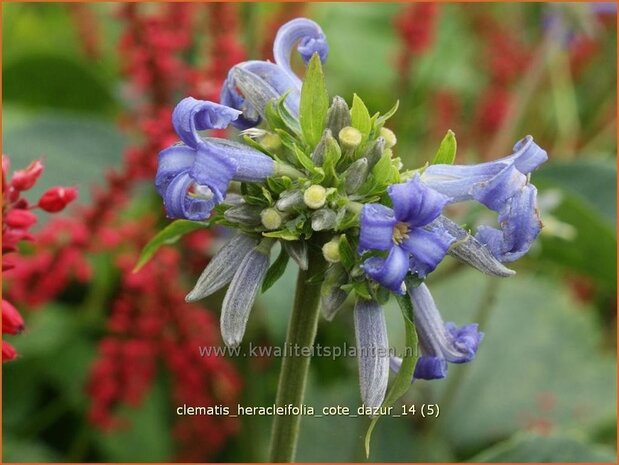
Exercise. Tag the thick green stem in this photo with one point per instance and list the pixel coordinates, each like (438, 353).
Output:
(295, 364)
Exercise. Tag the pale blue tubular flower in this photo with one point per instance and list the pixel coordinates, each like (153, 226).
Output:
(503, 186)
(372, 351)
(193, 177)
(439, 342)
(275, 78)
(403, 233)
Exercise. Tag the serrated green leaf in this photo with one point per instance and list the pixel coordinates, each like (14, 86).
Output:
(314, 102)
(446, 153)
(403, 379)
(276, 270)
(347, 254)
(360, 116)
(168, 235)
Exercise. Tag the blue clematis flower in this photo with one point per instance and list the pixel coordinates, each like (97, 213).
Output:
(277, 78)
(503, 186)
(193, 177)
(439, 342)
(405, 233)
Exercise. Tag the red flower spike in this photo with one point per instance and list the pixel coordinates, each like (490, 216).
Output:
(12, 322)
(56, 198)
(23, 180)
(8, 352)
(20, 219)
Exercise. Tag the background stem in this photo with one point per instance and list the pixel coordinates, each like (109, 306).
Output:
(293, 375)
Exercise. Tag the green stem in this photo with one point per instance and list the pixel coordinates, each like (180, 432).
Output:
(295, 365)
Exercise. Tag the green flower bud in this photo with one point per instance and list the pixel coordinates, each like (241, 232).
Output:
(323, 219)
(355, 175)
(338, 116)
(271, 141)
(318, 155)
(331, 294)
(248, 215)
(389, 136)
(375, 151)
(350, 137)
(290, 200)
(271, 219)
(315, 196)
(331, 250)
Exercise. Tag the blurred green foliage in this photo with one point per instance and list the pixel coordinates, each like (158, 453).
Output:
(547, 362)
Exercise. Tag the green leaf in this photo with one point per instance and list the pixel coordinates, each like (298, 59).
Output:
(168, 235)
(528, 447)
(314, 102)
(347, 254)
(284, 234)
(305, 161)
(276, 270)
(383, 119)
(360, 116)
(402, 381)
(446, 153)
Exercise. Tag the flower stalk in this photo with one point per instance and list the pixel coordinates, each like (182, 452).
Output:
(295, 367)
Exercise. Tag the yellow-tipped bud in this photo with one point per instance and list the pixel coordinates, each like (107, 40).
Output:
(389, 136)
(331, 250)
(271, 141)
(270, 218)
(350, 137)
(315, 196)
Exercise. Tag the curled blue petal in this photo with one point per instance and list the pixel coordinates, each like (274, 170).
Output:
(377, 222)
(429, 368)
(436, 339)
(389, 272)
(179, 204)
(465, 339)
(415, 204)
(427, 248)
(466, 182)
(173, 161)
(520, 225)
(192, 115)
(311, 40)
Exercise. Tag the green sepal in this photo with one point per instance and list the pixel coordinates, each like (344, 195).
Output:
(403, 379)
(314, 102)
(276, 270)
(167, 236)
(347, 253)
(446, 153)
(381, 120)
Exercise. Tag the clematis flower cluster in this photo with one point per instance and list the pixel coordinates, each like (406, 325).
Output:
(307, 174)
